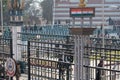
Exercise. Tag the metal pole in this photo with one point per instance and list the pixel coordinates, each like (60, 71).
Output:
(78, 58)
(2, 16)
(103, 24)
(11, 54)
(81, 56)
(53, 12)
(11, 50)
(28, 56)
(103, 32)
(76, 63)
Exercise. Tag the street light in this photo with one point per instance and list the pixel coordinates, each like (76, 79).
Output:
(53, 21)
(1, 16)
(103, 20)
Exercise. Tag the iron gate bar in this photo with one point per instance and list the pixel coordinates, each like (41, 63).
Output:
(112, 49)
(101, 68)
(28, 56)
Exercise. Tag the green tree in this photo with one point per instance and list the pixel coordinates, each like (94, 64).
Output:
(47, 9)
(5, 12)
(32, 11)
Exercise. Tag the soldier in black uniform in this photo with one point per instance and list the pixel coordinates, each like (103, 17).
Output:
(61, 69)
(99, 71)
(18, 72)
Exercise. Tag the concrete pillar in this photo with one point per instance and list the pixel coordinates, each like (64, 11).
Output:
(16, 47)
(80, 34)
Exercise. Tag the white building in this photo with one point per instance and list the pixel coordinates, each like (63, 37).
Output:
(61, 11)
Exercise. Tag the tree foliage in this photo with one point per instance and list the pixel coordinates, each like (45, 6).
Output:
(5, 12)
(47, 9)
(32, 11)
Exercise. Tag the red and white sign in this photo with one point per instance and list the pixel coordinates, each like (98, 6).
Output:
(82, 12)
(76, 11)
(10, 67)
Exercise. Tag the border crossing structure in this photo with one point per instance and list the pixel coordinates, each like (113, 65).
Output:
(62, 53)
(80, 33)
(47, 42)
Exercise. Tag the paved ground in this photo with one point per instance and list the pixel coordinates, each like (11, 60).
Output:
(23, 77)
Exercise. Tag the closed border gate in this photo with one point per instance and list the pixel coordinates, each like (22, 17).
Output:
(104, 61)
(50, 58)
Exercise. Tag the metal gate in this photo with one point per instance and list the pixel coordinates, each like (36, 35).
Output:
(104, 61)
(50, 58)
(5, 52)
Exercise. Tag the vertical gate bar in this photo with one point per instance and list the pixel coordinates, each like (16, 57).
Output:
(38, 61)
(11, 53)
(79, 58)
(48, 54)
(110, 62)
(56, 59)
(28, 56)
(11, 49)
(75, 55)
(41, 57)
(34, 60)
(51, 57)
(3, 54)
(96, 53)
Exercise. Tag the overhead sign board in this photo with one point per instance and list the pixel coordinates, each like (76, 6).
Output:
(82, 12)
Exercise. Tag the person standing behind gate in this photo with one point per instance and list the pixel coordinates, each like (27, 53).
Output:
(99, 72)
(18, 71)
(61, 69)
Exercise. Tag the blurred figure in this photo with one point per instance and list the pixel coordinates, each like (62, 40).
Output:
(61, 69)
(100, 72)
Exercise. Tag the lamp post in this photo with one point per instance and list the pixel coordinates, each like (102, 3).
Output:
(1, 16)
(53, 21)
(103, 31)
(103, 20)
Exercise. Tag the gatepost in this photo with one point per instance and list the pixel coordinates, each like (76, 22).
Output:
(16, 20)
(80, 36)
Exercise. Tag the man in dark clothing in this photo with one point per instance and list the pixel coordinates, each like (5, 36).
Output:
(99, 71)
(61, 68)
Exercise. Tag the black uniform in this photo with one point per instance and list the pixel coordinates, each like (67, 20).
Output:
(99, 71)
